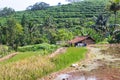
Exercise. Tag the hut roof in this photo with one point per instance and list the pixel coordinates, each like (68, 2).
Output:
(78, 39)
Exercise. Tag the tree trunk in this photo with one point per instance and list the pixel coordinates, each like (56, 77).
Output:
(115, 13)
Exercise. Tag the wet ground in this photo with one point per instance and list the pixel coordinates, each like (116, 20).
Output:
(101, 63)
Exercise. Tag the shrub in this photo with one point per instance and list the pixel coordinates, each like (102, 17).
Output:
(3, 50)
(46, 48)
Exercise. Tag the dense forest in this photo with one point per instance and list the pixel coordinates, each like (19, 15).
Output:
(42, 23)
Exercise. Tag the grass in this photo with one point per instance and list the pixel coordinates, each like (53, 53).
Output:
(47, 48)
(32, 50)
(28, 69)
(72, 55)
(20, 56)
(28, 66)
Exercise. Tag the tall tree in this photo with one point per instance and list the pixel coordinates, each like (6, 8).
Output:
(1, 33)
(31, 30)
(115, 6)
(13, 32)
(48, 24)
(38, 6)
(24, 20)
(101, 24)
(64, 35)
(6, 11)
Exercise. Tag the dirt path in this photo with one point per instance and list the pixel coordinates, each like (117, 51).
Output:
(66, 70)
(98, 65)
(58, 51)
(8, 56)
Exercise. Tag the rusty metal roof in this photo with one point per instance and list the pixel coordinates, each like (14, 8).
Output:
(78, 39)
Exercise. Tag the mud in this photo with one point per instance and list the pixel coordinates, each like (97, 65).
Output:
(101, 63)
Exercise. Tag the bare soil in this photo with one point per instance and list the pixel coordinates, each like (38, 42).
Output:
(8, 56)
(58, 51)
(102, 63)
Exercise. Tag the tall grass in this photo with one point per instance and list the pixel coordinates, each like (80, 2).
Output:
(31, 50)
(27, 69)
(72, 55)
(21, 56)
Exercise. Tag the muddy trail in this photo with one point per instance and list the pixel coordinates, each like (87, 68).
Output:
(8, 56)
(102, 63)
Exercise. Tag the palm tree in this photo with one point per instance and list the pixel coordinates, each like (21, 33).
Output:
(101, 23)
(115, 6)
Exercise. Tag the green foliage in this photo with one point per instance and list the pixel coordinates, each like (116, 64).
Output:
(101, 25)
(105, 41)
(116, 38)
(38, 6)
(29, 51)
(115, 7)
(64, 35)
(6, 12)
(20, 56)
(13, 33)
(3, 50)
(57, 23)
(44, 47)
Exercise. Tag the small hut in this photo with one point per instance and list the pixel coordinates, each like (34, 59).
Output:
(82, 41)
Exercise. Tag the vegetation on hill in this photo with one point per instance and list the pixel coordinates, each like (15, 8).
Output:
(38, 6)
(6, 11)
(3, 50)
(34, 34)
(60, 23)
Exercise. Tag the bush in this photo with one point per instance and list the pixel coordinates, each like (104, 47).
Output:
(46, 48)
(3, 50)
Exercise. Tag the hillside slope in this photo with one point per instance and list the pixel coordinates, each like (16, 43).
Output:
(58, 23)
(64, 14)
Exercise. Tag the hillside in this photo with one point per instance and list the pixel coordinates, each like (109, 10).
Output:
(58, 23)
(42, 40)
(68, 13)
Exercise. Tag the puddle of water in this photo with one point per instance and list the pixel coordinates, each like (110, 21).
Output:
(69, 77)
(63, 77)
(86, 78)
